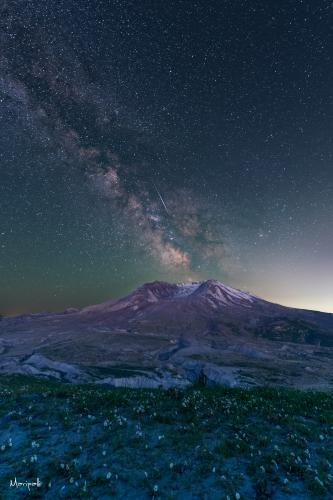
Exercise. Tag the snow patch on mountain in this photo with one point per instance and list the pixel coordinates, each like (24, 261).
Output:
(186, 289)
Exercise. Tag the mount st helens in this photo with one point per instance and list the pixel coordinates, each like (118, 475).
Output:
(172, 335)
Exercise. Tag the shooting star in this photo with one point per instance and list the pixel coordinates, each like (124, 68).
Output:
(160, 197)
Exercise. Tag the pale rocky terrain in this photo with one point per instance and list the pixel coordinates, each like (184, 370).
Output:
(173, 335)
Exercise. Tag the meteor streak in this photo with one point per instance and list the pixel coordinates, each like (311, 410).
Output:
(160, 197)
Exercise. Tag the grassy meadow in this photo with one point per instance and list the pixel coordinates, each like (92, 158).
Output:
(90, 441)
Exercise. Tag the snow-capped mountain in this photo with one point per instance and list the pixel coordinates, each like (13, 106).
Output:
(211, 293)
(176, 330)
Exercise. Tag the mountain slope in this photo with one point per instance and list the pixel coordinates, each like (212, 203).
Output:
(173, 334)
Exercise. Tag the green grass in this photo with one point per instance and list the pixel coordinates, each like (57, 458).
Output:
(88, 441)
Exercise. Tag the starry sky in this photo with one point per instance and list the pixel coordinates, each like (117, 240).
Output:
(179, 141)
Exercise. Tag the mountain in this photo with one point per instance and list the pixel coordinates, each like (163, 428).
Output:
(171, 335)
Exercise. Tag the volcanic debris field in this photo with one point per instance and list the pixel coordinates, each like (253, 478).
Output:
(84, 441)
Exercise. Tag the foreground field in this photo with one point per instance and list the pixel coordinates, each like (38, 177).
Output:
(96, 442)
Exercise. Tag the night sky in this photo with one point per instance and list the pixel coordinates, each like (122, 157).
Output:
(172, 140)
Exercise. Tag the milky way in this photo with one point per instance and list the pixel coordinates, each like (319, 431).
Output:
(177, 142)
